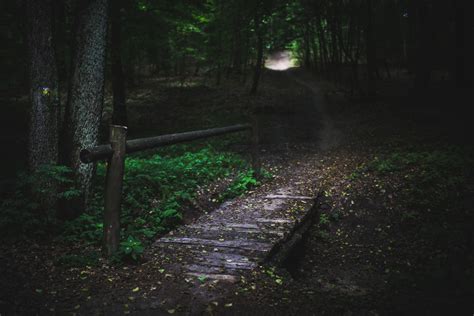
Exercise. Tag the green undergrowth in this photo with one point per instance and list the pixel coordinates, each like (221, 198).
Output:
(154, 191)
(157, 188)
(21, 215)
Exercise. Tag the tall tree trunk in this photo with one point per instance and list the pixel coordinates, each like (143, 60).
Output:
(85, 100)
(237, 49)
(314, 48)
(423, 45)
(119, 116)
(322, 45)
(371, 51)
(464, 66)
(307, 47)
(464, 44)
(59, 37)
(44, 92)
(258, 64)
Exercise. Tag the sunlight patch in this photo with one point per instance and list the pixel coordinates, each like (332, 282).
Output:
(280, 61)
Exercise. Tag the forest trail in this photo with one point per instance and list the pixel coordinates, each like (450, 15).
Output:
(304, 118)
(206, 259)
(329, 136)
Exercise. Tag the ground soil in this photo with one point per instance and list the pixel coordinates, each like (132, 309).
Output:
(365, 259)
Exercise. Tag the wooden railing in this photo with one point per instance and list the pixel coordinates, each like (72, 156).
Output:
(115, 153)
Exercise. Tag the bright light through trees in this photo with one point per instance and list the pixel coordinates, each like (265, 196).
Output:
(280, 61)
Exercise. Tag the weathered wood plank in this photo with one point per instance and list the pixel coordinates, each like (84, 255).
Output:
(221, 277)
(289, 197)
(274, 220)
(240, 244)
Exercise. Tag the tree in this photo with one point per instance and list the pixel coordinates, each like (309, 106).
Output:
(371, 50)
(262, 9)
(44, 94)
(86, 93)
(259, 60)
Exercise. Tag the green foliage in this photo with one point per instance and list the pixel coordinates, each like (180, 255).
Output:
(154, 192)
(86, 228)
(271, 272)
(323, 219)
(20, 214)
(243, 182)
(131, 248)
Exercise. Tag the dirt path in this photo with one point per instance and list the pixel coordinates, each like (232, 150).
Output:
(329, 136)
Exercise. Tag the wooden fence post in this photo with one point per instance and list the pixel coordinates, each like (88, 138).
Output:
(113, 189)
(255, 145)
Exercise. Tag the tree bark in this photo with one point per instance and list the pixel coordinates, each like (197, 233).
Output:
(44, 92)
(423, 38)
(464, 66)
(85, 99)
(371, 51)
(119, 116)
(258, 64)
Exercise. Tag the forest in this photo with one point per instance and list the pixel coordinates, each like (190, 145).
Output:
(238, 157)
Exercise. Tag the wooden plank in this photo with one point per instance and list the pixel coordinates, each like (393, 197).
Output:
(214, 276)
(289, 197)
(243, 225)
(239, 244)
(212, 262)
(229, 232)
(274, 220)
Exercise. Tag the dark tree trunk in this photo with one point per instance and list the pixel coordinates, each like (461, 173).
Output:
(314, 48)
(237, 53)
(322, 45)
(60, 39)
(218, 73)
(464, 66)
(258, 64)
(44, 92)
(371, 51)
(119, 116)
(464, 44)
(85, 99)
(423, 36)
(307, 46)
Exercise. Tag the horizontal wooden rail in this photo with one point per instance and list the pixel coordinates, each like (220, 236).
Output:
(103, 152)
